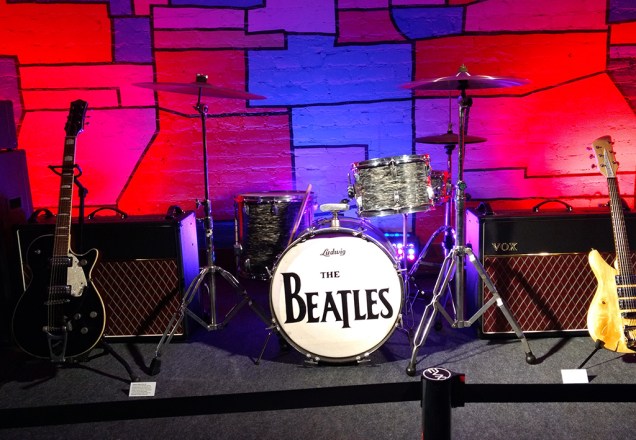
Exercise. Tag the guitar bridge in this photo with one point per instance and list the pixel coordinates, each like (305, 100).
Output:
(630, 334)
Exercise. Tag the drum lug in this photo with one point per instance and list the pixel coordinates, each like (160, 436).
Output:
(393, 169)
(274, 208)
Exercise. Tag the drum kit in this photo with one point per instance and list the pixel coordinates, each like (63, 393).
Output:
(337, 287)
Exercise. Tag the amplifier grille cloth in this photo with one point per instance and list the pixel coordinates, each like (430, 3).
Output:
(543, 292)
(140, 296)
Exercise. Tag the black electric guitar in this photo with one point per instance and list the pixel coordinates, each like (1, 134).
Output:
(611, 318)
(60, 315)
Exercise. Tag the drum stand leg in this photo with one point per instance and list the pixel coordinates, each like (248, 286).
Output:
(453, 266)
(209, 271)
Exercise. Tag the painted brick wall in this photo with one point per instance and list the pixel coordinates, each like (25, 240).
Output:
(331, 73)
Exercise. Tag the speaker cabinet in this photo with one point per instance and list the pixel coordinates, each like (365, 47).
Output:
(538, 264)
(15, 208)
(144, 266)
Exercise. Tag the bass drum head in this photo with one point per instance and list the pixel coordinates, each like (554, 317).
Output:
(336, 295)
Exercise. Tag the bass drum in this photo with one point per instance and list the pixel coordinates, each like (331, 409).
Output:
(336, 293)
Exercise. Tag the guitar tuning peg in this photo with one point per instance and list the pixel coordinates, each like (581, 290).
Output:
(593, 165)
(588, 148)
(591, 156)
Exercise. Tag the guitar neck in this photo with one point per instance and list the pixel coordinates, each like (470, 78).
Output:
(623, 253)
(62, 240)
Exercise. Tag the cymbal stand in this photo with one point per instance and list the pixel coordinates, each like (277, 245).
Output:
(210, 270)
(453, 264)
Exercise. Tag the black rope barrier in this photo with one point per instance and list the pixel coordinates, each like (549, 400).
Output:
(144, 408)
(439, 391)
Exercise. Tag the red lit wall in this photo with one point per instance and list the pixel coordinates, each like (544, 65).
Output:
(331, 74)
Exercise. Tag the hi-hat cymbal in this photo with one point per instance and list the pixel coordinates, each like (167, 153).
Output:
(449, 138)
(464, 80)
(193, 88)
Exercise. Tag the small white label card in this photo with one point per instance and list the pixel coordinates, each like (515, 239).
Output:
(574, 376)
(142, 389)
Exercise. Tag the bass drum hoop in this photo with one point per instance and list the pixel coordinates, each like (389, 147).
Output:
(309, 234)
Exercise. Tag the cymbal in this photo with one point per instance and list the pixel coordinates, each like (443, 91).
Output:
(464, 80)
(449, 138)
(193, 88)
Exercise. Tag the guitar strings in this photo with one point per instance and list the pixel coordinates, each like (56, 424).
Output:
(624, 261)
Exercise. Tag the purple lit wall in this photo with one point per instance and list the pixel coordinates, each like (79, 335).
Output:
(331, 72)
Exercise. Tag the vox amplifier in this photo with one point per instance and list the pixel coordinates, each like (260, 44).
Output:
(538, 264)
(144, 266)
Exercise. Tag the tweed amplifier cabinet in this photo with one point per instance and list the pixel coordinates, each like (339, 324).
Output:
(538, 263)
(144, 266)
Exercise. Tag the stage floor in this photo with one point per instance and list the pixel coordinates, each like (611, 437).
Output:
(224, 363)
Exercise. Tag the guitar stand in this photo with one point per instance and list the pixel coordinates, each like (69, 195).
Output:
(598, 345)
(82, 192)
(210, 270)
(107, 349)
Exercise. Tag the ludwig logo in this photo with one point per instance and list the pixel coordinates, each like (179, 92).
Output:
(330, 252)
(505, 247)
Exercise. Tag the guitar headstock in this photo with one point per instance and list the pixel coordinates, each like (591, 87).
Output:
(605, 156)
(75, 121)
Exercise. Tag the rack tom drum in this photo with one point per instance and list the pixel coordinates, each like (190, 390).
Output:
(393, 185)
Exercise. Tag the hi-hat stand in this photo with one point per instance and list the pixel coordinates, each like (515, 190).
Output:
(453, 264)
(207, 274)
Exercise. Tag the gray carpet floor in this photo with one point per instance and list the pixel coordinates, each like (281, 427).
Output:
(224, 363)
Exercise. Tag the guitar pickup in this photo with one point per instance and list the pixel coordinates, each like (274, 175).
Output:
(61, 261)
(58, 295)
(628, 315)
(625, 280)
(626, 303)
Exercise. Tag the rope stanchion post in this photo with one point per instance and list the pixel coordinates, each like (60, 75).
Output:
(441, 391)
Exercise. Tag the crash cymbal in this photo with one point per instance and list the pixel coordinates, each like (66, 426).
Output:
(449, 138)
(464, 80)
(193, 88)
